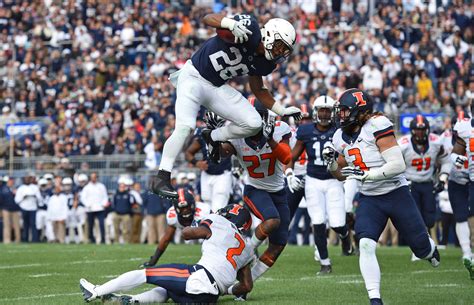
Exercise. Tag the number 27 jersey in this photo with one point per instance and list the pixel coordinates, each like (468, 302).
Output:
(361, 151)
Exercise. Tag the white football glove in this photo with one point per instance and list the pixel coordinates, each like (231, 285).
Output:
(293, 111)
(294, 183)
(269, 127)
(238, 29)
(329, 156)
(459, 161)
(354, 173)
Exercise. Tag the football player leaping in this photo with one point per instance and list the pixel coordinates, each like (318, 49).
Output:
(263, 157)
(225, 258)
(202, 82)
(368, 152)
(324, 194)
(423, 151)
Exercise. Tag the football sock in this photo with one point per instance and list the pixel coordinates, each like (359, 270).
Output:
(462, 231)
(342, 231)
(433, 247)
(321, 241)
(259, 269)
(156, 295)
(125, 281)
(369, 267)
(254, 242)
(173, 147)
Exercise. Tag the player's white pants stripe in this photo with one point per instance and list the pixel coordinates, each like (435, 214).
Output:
(325, 200)
(216, 189)
(193, 91)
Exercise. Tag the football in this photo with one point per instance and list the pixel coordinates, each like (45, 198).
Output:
(225, 35)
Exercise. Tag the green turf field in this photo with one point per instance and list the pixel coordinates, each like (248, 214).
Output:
(49, 274)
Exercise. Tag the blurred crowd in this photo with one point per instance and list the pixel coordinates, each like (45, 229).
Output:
(98, 69)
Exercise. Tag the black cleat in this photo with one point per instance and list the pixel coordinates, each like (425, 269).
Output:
(325, 270)
(346, 245)
(161, 185)
(376, 301)
(212, 146)
(435, 260)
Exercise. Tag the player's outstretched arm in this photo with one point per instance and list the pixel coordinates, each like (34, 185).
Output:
(162, 245)
(201, 232)
(238, 28)
(191, 152)
(459, 150)
(264, 96)
(281, 149)
(339, 164)
(245, 283)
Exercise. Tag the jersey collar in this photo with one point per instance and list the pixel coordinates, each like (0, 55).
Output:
(350, 139)
(415, 147)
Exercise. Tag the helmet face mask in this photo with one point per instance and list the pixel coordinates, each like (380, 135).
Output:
(322, 116)
(352, 104)
(278, 38)
(420, 129)
(185, 207)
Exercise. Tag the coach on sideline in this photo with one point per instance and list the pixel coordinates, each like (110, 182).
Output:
(95, 199)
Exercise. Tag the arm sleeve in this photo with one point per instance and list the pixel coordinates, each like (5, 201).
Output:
(395, 164)
(19, 195)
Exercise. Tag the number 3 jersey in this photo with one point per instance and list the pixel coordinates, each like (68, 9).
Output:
(225, 252)
(219, 61)
(465, 130)
(361, 151)
(264, 170)
(421, 165)
(314, 142)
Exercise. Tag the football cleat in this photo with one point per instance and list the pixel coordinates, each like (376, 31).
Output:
(212, 146)
(469, 266)
(161, 185)
(325, 270)
(376, 301)
(346, 245)
(435, 260)
(88, 291)
(241, 298)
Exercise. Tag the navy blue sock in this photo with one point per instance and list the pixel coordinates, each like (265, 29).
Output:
(320, 240)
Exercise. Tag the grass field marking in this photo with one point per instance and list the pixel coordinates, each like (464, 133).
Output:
(435, 271)
(22, 266)
(40, 297)
(328, 277)
(44, 275)
(441, 285)
(350, 282)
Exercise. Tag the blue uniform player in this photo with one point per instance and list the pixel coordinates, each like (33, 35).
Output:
(216, 178)
(202, 82)
(324, 194)
(368, 152)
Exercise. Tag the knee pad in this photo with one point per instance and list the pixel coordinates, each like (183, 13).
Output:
(367, 246)
(183, 130)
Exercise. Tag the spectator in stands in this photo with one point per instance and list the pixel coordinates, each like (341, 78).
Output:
(28, 197)
(155, 211)
(137, 211)
(95, 199)
(11, 211)
(122, 206)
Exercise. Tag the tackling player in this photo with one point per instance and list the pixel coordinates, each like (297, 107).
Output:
(225, 258)
(202, 82)
(184, 211)
(462, 153)
(324, 194)
(216, 178)
(263, 157)
(422, 151)
(368, 152)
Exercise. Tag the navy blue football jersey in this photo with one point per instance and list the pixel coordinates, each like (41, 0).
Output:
(213, 168)
(314, 141)
(218, 61)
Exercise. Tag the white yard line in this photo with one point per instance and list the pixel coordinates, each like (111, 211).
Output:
(22, 266)
(44, 275)
(40, 297)
(441, 285)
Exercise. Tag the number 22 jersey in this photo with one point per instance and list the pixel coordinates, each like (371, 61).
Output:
(361, 151)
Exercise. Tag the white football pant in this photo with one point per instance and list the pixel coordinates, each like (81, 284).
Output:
(325, 198)
(216, 189)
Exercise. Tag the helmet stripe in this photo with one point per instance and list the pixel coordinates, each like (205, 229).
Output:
(419, 120)
(181, 197)
(252, 100)
(304, 108)
(461, 115)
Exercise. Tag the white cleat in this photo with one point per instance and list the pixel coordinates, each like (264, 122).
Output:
(414, 258)
(88, 291)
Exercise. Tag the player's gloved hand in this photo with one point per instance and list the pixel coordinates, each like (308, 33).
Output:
(213, 121)
(354, 173)
(441, 185)
(329, 153)
(237, 172)
(294, 183)
(293, 111)
(238, 29)
(269, 127)
(152, 262)
(459, 161)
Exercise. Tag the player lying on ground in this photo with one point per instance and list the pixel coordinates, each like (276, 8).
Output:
(263, 156)
(368, 152)
(202, 82)
(324, 194)
(184, 211)
(225, 259)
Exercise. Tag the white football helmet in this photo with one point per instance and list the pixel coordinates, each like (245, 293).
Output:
(278, 38)
(321, 102)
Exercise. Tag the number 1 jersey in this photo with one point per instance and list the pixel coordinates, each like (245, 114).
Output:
(219, 61)
(361, 151)
(264, 170)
